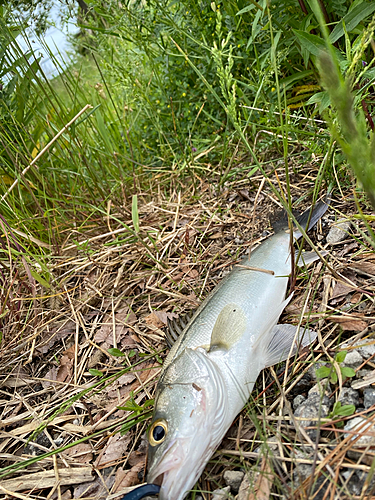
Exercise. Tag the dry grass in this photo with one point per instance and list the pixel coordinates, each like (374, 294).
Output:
(115, 287)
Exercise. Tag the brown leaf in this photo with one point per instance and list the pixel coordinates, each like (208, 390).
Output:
(136, 457)
(340, 290)
(356, 297)
(263, 484)
(365, 266)
(159, 319)
(126, 478)
(120, 384)
(115, 448)
(82, 453)
(61, 330)
(350, 323)
(64, 372)
(96, 489)
(154, 320)
(123, 317)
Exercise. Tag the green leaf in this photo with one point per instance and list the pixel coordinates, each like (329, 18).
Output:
(96, 373)
(322, 98)
(336, 406)
(135, 216)
(115, 352)
(345, 410)
(245, 9)
(323, 372)
(352, 19)
(334, 378)
(347, 372)
(340, 356)
(39, 278)
(287, 82)
(314, 44)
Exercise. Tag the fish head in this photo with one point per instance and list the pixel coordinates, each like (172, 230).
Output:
(188, 424)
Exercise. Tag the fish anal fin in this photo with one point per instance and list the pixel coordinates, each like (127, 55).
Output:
(229, 327)
(307, 258)
(282, 338)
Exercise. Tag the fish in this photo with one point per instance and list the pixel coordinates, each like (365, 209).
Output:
(210, 371)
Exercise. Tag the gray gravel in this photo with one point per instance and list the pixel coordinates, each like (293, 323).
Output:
(349, 396)
(338, 232)
(221, 493)
(368, 397)
(233, 479)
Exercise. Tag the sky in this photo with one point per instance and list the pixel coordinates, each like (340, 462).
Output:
(56, 38)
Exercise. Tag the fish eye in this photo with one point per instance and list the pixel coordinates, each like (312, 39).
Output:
(158, 432)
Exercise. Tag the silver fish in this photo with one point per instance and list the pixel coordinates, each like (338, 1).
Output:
(210, 371)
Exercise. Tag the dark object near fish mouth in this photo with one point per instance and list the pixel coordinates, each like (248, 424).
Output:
(143, 491)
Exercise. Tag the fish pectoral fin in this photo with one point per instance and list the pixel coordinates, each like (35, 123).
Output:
(284, 340)
(229, 327)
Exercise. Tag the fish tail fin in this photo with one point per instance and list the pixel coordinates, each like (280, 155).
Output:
(310, 217)
(306, 220)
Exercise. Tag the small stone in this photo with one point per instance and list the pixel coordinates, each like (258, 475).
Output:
(315, 407)
(369, 397)
(353, 359)
(221, 493)
(302, 471)
(366, 351)
(364, 372)
(233, 479)
(349, 396)
(352, 482)
(319, 393)
(363, 427)
(338, 232)
(298, 400)
(302, 385)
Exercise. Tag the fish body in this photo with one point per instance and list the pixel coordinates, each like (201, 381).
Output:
(211, 370)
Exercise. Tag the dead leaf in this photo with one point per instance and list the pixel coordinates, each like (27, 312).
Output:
(120, 384)
(136, 457)
(115, 448)
(356, 297)
(340, 290)
(364, 266)
(349, 323)
(123, 317)
(96, 489)
(159, 319)
(263, 483)
(81, 453)
(62, 373)
(61, 330)
(126, 478)
(154, 320)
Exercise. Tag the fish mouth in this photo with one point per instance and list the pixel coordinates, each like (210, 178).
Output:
(167, 473)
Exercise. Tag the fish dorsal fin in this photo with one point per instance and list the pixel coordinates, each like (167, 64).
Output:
(229, 327)
(281, 339)
(176, 326)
